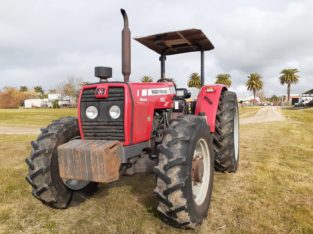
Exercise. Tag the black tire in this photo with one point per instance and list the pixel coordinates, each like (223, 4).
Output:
(43, 174)
(177, 205)
(226, 136)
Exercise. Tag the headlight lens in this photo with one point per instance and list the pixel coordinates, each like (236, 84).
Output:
(92, 112)
(115, 112)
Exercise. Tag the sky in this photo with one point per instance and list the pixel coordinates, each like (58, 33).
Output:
(45, 42)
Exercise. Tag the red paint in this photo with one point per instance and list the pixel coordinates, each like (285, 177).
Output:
(144, 107)
(140, 98)
(207, 102)
(78, 114)
(141, 102)
(127, 106)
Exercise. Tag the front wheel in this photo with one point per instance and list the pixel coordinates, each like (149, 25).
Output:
(185, 172)
(43, 166)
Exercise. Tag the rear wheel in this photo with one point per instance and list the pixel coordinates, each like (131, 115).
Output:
(185, 172)
(226, 136)
(43, 175)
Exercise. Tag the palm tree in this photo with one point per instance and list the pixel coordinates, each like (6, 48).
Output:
(223, 79)
(254, 83)
(146, 79)
(194, 80)
(289, 77)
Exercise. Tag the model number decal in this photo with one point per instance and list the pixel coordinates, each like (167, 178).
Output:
(159, 91)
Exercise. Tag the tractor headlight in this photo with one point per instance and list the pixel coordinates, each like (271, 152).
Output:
(92, 112)
(115, 112)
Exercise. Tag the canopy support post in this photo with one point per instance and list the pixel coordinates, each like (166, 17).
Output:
(202, 68)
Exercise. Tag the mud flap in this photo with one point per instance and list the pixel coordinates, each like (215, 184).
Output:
(92, 160)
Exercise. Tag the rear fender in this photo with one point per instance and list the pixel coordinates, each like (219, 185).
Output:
(207, 103)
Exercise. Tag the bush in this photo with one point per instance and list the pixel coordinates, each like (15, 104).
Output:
(55, 104)
(12, 98)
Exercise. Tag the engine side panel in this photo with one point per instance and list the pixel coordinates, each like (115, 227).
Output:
(149, 97)
(207, 103)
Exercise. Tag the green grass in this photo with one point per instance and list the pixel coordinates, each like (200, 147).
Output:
(271, 192)
(33, 117)
(303, 115)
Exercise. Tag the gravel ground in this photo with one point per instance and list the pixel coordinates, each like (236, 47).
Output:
(265, 114)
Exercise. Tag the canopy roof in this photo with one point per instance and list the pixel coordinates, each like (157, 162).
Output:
(177, 42)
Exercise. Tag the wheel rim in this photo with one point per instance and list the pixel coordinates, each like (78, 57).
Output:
(75, 184)
(236, 134)
(201, 165)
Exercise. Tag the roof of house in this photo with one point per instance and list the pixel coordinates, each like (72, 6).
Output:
(309, 92)
(177, 42)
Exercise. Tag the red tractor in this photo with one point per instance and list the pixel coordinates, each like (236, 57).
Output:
(125, 128)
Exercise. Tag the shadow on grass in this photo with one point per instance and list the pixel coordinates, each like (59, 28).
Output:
(141, 184)
(92, 189)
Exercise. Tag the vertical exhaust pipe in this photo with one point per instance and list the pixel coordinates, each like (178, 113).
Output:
(126, 59)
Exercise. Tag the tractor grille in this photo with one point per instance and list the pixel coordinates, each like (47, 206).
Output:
(103, 127)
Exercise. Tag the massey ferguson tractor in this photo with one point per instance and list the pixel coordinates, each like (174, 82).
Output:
(125, 128)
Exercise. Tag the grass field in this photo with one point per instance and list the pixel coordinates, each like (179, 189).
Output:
(33, 117)
(43, 117)
(271, 193)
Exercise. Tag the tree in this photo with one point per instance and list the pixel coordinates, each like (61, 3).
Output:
(289, 77)
(260, 94)
(146, 79)
(194, 80)
(274, 98)
(254, 83)
(23, 89)
(223, 79)
(53, 90)
(71, 88)
(13, 98)
(39, 89)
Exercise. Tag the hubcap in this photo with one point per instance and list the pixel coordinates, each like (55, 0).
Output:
(75, 184)
(200, 171)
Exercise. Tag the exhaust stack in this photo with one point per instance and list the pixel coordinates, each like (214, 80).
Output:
(126, 59)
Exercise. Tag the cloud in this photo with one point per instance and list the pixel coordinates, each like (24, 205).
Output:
(44, 42)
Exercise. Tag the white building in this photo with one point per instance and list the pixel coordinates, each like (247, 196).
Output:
(54, 96)
(65, 101)
(307, 96)
(31, 103)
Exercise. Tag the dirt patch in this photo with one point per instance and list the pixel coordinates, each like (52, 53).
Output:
(265, 114)
(19, 130)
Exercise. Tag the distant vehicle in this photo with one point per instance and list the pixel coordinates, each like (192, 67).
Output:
(310, 103)
(301, 103)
